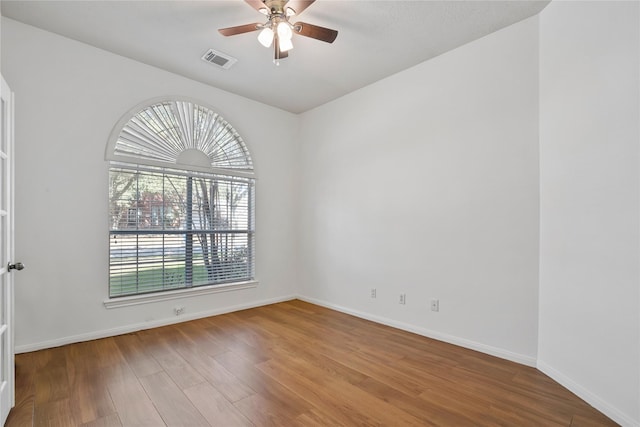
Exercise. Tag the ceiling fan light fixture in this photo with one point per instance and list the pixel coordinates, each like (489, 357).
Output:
(284, 36)
(290, 12)
(285, 44)
(266, 37)
(284, 31)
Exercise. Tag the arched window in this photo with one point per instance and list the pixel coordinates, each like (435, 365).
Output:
(181, 197)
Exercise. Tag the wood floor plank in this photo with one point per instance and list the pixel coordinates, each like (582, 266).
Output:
(174, 407)
(290, 405)
(215, 408)
(386, 374)
(318, 397)
(314, 418)
(56, 413)
(590, 421)
(51, 382)
(217, 375)
(163, 349)
(293, 339)
(284, 351)
(430, 413)
(22, 413)
(137, 355)
(109, 421)
(236, 342)
(327, 392)
(286, 364)
(88, 395)
(132, 404)
(196, 336)
(514, 417)
(263, 412)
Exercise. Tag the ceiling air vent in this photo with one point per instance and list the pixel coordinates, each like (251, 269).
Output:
(219, 59)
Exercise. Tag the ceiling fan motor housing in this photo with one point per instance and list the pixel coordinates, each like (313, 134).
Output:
(276, 7)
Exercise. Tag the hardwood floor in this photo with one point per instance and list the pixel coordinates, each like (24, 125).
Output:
(287, 364)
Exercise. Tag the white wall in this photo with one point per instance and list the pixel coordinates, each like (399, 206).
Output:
(589, 202)
(426, 183)
(68, 98)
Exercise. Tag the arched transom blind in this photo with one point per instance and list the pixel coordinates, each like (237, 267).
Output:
(166, 131)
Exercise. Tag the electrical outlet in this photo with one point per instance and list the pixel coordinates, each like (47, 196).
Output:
(403, 299)
(373, 293)
(178, 311)
(435, 305)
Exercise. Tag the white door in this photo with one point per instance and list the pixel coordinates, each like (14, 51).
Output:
(7, 266)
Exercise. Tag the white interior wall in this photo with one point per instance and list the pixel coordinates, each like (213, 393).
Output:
(426, 183)
(68, 98)
(589, 204)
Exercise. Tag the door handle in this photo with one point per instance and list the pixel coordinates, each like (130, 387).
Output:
(17, 266)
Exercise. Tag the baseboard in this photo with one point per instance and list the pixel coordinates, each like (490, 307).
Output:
(146, 325)
(584, 394)
(462, 342)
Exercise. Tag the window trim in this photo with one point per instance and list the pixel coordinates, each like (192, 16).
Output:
(127, 301)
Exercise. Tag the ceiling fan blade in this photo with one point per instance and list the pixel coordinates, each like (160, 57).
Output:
(256, 4)
(298, 5)
(240, 29)
(315, 32)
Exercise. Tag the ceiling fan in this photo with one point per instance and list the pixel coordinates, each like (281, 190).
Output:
(278, 30)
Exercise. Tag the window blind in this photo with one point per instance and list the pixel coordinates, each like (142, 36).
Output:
(173, 229)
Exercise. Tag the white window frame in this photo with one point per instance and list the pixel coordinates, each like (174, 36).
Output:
(128, 146)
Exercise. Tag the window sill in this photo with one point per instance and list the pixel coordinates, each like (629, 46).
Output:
(180, 293)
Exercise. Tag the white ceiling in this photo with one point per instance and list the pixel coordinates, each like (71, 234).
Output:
(376, 39)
